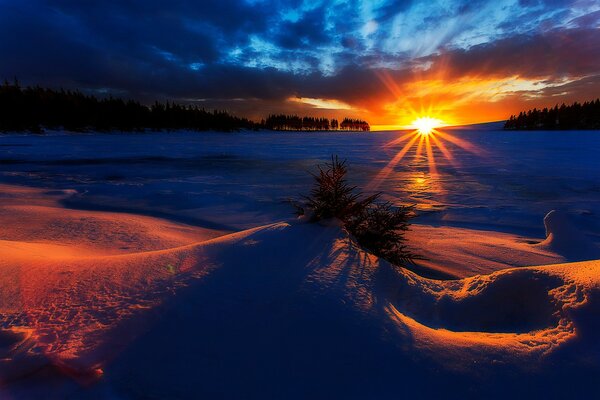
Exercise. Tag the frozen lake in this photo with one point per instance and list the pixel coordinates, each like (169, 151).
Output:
(486, 179)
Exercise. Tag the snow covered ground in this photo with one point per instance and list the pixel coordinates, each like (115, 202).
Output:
(169, 265)
(508, 182)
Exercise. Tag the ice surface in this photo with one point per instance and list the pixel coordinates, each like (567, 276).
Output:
(205, 178)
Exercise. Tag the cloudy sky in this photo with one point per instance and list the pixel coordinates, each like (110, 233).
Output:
(383, 60)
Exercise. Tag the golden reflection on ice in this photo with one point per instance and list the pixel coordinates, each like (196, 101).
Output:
(424, 142)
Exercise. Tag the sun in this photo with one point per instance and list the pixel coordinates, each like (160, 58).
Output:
(425, 141)
(425, 125)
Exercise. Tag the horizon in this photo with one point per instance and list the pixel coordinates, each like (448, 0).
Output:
(437, 123)
(193, 206)
(386, 63)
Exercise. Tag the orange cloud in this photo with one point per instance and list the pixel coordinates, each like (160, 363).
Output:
(327, 104)
(460, 101)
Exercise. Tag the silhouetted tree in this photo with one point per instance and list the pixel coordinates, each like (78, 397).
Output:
(354, 125)
(35, 108)
(574, 116)
(282, 122)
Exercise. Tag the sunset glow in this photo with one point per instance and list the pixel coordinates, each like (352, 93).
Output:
(375, 61)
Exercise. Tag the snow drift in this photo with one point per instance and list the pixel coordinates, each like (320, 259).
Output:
(563, 237)
(285, 310)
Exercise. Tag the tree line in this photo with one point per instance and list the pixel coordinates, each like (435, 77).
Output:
(282, 122)
(35, 109)
(565, 117)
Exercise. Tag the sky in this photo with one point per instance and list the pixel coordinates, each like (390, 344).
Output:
(386, 61)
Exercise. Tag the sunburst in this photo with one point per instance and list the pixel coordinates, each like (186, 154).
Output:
(429, 117)
(426, 137)
(425, 125)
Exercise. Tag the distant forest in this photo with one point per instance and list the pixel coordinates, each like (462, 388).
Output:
(35, 109)
(295, 123)
(574, 116)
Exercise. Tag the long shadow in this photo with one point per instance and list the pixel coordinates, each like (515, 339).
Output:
(78, 204)
(429, 273)
(252, 329)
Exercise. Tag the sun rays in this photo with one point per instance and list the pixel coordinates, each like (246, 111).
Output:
(427, 143)
(405, 110)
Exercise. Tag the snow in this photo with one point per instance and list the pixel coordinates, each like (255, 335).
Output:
(459, 253)
(241, 180)
(186, 276)
(562, 236)
(311, 314)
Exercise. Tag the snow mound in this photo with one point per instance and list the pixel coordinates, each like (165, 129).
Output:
(285, 310)
(454, 253)
(512, 301)
(564, 238)
(311, 302)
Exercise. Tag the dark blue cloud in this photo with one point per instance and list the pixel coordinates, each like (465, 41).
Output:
(309, 31)
(215, 50)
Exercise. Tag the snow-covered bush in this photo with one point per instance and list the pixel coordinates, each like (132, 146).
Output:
(377, 227)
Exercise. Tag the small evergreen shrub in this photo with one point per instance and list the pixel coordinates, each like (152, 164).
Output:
(332, 197)
(377, 227)
(380, 229)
